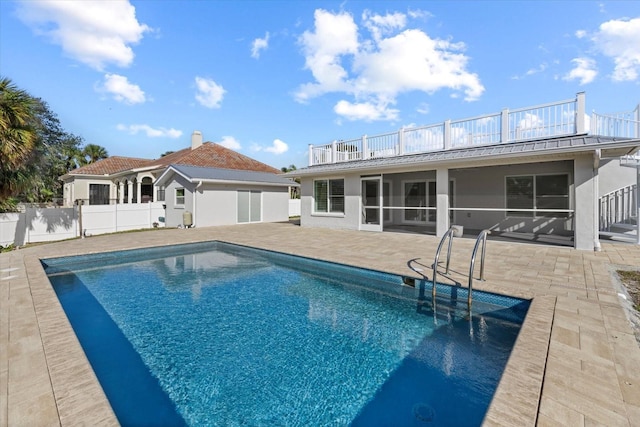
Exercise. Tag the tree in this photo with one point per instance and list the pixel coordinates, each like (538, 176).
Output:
(290, 168)
(17, 137)
(294, 191)
(93, 152)
(166, 153)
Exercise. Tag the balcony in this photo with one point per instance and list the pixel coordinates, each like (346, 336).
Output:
(563, 118)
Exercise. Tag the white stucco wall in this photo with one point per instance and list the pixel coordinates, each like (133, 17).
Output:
(351, 217)
(174, 214)
(217, 204)
(613, 176)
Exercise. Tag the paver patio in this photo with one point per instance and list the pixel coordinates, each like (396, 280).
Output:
(576, 361)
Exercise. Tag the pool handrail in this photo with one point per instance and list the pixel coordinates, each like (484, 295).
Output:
(450, 232)
(482, 238)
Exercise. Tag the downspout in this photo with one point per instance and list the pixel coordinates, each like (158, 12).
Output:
(596, 200)
(195, 195)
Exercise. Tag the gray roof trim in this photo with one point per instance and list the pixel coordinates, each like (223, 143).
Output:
(513, 150)
(226, 176)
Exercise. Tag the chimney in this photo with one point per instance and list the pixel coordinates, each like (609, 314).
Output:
(196, 139)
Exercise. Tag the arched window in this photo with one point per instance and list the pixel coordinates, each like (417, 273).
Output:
(146, 190)
(134, 199)
(126, 191)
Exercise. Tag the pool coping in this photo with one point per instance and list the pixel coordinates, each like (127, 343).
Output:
(68, 391)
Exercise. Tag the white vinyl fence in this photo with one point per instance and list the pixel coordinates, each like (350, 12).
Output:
(294, 207)
(51, 224)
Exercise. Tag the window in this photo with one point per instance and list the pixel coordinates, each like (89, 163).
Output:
(99, 194)
(179, 196)
(538, 192)
(249, 206)
(328, 195)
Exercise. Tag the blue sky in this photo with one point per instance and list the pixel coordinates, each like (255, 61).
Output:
(268, 78)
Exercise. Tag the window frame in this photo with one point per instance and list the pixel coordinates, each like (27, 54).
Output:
(176, 196)
(97, 196)
(329, 198)
(535, 197)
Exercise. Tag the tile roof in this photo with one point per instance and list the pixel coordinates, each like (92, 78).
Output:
(110, 165)
(212, 155)
(207, 155)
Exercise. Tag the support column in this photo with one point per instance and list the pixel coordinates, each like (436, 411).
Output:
(120, 192)
(129, 192)
(442, 201)
(138, 191)
(585, 215)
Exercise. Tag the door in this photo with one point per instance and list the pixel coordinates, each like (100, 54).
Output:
(371, 203)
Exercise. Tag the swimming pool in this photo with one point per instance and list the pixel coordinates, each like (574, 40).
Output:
(220, 334)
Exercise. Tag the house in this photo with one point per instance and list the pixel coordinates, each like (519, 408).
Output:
(215, 196)
(207, 174)
(536, 173)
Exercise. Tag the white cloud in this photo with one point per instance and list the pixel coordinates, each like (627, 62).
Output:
(375, 71)
(580, 34)
(334, 36)
(258, 45)
(95, 33)
(121, 90)
(584, 70)
(620, 40)
(423, 108)
(150, 132)
(365, 111)
(209, 93)
(230, 143)
(380, 25)
(277, 147)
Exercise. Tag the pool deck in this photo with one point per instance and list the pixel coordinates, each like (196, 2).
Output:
(576, 361)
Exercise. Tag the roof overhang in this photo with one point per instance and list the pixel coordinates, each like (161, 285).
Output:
(166, 176)
(519, 152)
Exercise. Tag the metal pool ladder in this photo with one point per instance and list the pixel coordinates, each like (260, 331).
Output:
(481, 240)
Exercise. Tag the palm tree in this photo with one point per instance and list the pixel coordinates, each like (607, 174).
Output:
(18, 137)
(94, 152)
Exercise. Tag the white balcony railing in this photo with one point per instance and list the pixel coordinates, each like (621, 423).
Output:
(556, 119)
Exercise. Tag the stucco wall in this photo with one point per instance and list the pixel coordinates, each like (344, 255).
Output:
(351, 217)
(613, 177)
(174, 213)
(217, 204)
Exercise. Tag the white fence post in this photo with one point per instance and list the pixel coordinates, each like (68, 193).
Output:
(365, 148)
(334, 151)
(504, 125)
(447, 135)
(580, 112)
(401, 141)
(310, 155)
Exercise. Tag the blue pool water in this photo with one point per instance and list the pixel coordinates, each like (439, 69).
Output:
(225, 335)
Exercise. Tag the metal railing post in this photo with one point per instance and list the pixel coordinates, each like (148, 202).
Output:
(310, 155)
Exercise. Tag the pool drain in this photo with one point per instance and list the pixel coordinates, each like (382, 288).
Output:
(423, 413)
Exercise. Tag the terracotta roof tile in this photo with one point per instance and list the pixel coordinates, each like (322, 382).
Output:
(216, 156)
(110, 165)
(208, 155)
